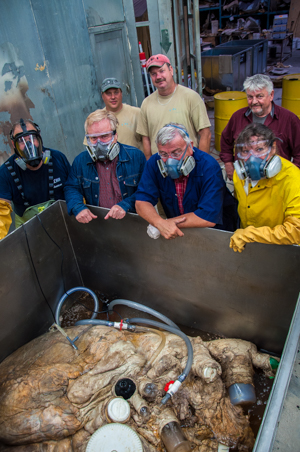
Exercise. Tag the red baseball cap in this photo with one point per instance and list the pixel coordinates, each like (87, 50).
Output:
(157, 60)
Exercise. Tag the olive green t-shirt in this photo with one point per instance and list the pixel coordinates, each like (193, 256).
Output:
(185, 107)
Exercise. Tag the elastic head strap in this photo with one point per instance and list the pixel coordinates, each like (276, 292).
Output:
(179, 128)
(22, 123)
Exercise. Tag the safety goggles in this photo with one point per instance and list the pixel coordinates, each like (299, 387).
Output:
(174, 154)
(103, 138)
(255, 148)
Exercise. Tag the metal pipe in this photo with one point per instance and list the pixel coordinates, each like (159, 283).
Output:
(197, 45)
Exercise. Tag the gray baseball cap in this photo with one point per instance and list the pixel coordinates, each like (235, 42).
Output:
(110, 83)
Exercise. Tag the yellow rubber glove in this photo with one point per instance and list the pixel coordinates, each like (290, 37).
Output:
(5, 217)
(287, 233)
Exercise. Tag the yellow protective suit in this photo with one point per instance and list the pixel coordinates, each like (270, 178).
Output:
(5, 217)
(287, 233)
(270, 213)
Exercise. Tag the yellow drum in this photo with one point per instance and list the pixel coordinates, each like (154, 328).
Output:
(226, 104)
(291, 93)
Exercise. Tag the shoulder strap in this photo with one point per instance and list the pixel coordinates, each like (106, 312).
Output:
(19, 184)
(50, 177)
(16, 181)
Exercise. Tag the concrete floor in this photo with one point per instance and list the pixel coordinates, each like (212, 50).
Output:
(287, 437)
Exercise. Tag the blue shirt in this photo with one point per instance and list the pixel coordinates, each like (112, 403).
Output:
(204, 193)
(35, 183)
(83, 181)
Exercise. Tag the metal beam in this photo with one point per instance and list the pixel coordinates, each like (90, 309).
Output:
(196, 15)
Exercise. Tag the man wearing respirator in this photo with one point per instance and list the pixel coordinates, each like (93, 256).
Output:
(32, 178)
(267, 189)
(106, 174)
(189, 183)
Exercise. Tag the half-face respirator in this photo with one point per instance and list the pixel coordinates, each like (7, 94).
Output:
(255, 163)
(102, 150)
(176, 168)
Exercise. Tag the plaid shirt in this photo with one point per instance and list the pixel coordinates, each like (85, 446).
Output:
(180, 186)
(109, 192)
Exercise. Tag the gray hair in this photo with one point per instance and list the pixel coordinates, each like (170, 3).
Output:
(169, 131)
(258, 82)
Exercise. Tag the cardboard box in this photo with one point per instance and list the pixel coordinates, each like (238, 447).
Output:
(211, 39)
(278, 28)
(280, 19)
(280, 35)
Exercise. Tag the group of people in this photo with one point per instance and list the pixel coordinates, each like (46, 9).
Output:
(135, 158)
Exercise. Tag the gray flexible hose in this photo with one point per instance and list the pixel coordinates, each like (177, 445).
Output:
(69, 292)
(94, 322)
(126, 326)
(141, 307)
(174, 331)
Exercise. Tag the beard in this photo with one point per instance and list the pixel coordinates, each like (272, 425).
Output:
(257, 110)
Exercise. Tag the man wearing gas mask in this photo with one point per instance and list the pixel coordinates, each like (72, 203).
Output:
(267, 189)
(188, 182)
(32, 178)
(106, 174)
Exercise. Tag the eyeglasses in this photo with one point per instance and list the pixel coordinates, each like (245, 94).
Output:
(174, 154)
(92, 139)
(255, 148)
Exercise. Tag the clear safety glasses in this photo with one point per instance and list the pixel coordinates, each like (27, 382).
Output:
(174, 154)
(28, 146)
(256, 148)
(103, 138)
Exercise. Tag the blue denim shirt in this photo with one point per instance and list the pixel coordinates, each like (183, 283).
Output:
(83, 180)
(204, 195)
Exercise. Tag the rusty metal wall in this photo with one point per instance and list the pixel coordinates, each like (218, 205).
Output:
(47, 66)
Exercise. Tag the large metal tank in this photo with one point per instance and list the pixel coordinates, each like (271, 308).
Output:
(226, 104)
(259, 53)
(291, 93)
(197, 281)
(225, 68)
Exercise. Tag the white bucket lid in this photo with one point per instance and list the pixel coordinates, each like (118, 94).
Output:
(114, 438)
(118, 410)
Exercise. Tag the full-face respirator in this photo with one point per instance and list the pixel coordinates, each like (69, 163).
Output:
(28, 145)
(256, 165)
